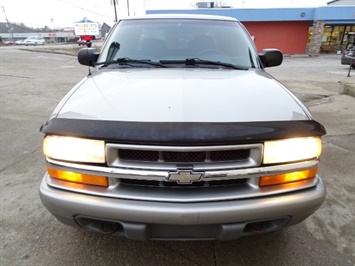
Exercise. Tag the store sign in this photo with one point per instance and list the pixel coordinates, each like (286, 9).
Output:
(86, 28)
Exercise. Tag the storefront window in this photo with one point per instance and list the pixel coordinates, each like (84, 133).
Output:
(327, 33)
(349, 37)
(310, 34)
(345, 39)
(351, 41)
(338, 35)
(334, 37)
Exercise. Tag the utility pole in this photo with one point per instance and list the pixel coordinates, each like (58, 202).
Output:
(55, 34)
(128, 7)
(52, 20)
(8, 24)
(114, 7)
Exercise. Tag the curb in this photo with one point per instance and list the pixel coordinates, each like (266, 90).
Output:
(348, 86)
(48, 51)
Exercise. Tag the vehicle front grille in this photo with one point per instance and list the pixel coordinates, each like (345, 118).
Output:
(176, 157)
(183, 157)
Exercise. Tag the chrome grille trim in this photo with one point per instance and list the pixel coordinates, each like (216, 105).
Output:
(178, 194)
(245, 185)
(116, 173)
(197, 157)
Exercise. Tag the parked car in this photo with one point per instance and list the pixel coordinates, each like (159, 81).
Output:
(19, 42)
(177, 132)
(81, 42)
(34, 41)
(9, 42)
(348, 57)
(85, 40)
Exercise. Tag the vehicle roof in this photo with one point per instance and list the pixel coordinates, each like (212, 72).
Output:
(181, 16)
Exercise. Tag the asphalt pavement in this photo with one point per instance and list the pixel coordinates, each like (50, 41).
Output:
(32, 84)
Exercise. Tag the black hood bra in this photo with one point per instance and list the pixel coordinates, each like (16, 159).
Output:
(182, 133)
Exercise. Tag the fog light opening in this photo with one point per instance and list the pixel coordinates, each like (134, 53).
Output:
(257, 228)
(262, 227)
(100, 226)
(108, 228)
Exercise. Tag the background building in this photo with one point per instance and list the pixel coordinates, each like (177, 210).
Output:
(327, 29)
(14, 32)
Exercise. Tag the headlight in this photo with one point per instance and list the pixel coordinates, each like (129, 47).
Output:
(289, 150)
(74, 149)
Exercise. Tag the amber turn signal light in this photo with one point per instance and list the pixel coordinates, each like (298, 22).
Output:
(78, 177)
(288, 177)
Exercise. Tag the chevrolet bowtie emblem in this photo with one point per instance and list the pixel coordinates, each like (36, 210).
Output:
(184, 177)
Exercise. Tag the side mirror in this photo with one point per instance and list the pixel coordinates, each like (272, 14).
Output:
(88, 56)
(271, 57)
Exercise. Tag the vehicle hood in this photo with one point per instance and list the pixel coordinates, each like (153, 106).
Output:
(181, 95)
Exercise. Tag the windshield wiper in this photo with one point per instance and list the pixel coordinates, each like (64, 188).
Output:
(128, 61)
(198, 61)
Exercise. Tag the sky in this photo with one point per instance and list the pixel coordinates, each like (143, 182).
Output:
(63, 13)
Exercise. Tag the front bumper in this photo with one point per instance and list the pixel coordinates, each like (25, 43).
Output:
(142, 220)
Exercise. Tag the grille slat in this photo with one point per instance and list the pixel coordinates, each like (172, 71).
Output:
(184, 157)
(138, 155)
(229, 155)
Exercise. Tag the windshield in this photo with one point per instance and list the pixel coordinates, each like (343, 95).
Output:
(165, 40)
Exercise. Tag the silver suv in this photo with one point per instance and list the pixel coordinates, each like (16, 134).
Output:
(177, 132)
